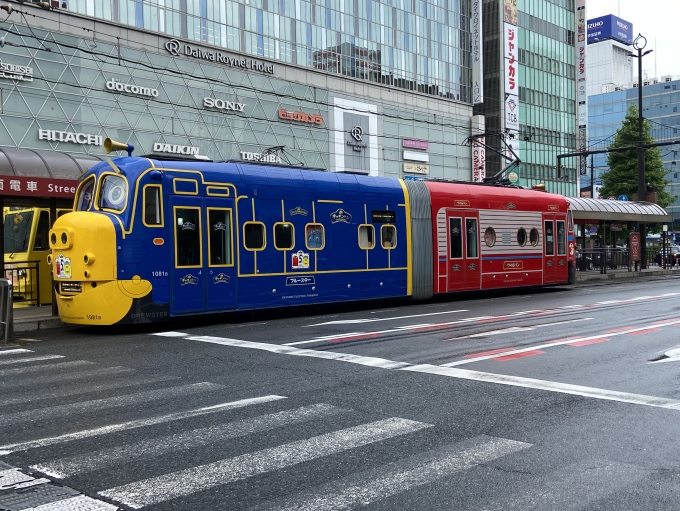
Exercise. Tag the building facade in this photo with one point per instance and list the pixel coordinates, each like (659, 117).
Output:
(530, 85)
(661, 107)
(379, 88)
(609, 64)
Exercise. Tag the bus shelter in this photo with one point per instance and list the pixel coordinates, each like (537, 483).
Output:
(610, 215)
(34, 184)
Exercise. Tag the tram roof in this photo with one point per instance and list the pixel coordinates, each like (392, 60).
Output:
(617, 211)
(43, 164)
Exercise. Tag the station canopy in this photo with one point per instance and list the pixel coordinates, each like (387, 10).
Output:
(596, 210)
(30, 177)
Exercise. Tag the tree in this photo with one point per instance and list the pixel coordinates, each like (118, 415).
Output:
(622, 176)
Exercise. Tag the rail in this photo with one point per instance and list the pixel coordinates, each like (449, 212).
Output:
(612, 258)
(25, 279)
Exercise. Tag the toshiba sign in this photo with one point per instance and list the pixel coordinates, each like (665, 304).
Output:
(300, 117)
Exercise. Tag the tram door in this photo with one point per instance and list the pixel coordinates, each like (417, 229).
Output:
(549, 250)
(204, 273)
(464, 268)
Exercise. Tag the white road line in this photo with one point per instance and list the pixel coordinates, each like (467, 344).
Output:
(125, 426)
(447, 370)
(517, 329)
(29, 359)
(47, 367)
(559, 343)
(154, 447)
(42, 414)
(371, 320)
(15, 351)
(553, 386)
(324, 338)
(85, 389)
(44, 379)
(289, 350)
(377, 484)
(77, 503)
(170, 334)
(185, 482)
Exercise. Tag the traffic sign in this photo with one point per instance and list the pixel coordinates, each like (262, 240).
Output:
(611, 197)
(623, 198)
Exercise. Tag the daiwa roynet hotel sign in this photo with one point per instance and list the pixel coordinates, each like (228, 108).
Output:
(178, 48)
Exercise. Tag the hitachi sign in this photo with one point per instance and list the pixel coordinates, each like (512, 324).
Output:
(160, 147)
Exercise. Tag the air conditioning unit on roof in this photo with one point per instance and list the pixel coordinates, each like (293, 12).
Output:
(635, 85)
(655, 80)
(618, 88)
(667, 78)
(645, 83)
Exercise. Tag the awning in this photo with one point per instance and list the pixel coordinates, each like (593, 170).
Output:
(617, 211)
(30, 177)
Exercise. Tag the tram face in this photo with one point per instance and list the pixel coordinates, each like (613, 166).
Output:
(84, 255)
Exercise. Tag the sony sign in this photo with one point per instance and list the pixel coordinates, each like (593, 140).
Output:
(223, 105)
(177, 48)
(160, 147)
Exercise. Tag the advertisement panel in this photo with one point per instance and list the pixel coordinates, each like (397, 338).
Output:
(610, 27)
(510, 52)
(581, 95)
(478, 160)
(477, 51)
(510, 12)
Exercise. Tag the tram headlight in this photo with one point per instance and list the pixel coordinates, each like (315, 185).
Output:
(53, 239)
(88, 258)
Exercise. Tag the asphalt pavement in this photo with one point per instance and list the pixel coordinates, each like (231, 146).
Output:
(555, 399)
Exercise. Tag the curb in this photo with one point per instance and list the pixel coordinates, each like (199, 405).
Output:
(41, 324)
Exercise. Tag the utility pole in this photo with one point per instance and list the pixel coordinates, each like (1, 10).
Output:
(592, 177)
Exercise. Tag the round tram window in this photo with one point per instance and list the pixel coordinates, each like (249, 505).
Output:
(533, 237)
(521, 237)
(490, 237)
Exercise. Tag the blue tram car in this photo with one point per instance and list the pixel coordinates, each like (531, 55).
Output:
(150, 239)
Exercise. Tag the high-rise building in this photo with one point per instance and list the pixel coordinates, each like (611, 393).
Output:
(363, 86)
(530, 86)
(610, 66)
(660, 107)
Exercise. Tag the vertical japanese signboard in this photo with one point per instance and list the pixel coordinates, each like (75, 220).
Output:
(511, 65)
(581, 95)
(478, 149)
(477, 51)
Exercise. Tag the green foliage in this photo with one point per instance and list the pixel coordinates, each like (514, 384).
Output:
(622, 176)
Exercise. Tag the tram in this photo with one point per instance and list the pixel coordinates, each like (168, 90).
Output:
(26, 232)
(151, 239)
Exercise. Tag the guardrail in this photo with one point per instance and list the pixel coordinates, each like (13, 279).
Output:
(25, 279)
(603, 259)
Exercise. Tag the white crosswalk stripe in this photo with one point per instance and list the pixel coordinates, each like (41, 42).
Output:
(184, 482)
(37, 358)
(78, 503)
(15, 381)
(20, 371)
(125, 426)
(151, 448)
(14, 351)
(42, 414)
(394, 478)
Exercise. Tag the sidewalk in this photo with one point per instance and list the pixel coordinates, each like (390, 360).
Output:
(28, 320)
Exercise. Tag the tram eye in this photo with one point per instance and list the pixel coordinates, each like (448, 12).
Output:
(53, 239)
(64, 238)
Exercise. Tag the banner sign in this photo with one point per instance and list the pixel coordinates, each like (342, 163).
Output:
(510, 54)
(38, 187)
(478, 160)
(477, 52)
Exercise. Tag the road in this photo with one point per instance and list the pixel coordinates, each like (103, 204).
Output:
(557, 399)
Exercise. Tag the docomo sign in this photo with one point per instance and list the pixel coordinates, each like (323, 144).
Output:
(301, 117)
(116, 86)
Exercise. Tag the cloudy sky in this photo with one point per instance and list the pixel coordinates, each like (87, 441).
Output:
(657, 20)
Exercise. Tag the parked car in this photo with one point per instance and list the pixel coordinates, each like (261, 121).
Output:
(672, 255)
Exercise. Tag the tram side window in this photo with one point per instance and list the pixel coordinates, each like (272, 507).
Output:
(219, 234)
(152, 206)
(388, 236)
(42, 232)
(253, 235)
(17, 231)
(314, 236)
(549, 240)
(561, 241)
(366, 236)
(455, 238)
(472, 236)
(283, 236)
(188, 237)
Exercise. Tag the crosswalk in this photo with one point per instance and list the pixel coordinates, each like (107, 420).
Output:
(188, 439)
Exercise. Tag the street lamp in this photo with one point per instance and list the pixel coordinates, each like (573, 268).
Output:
(639, 44)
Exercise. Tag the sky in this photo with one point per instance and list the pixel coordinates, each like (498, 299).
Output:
(657, 20)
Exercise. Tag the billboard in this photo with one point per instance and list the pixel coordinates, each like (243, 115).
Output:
(610, 27)
(510, 55)
(477, 52)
